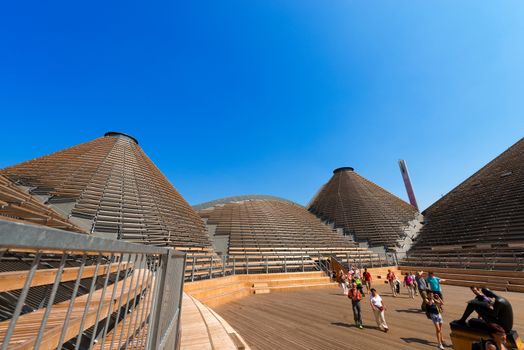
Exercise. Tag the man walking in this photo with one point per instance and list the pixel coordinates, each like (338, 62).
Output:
(367, 279)
(434, 284)
(422, 288)
(355, 296)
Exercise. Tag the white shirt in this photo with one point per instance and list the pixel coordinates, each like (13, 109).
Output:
(376, 301)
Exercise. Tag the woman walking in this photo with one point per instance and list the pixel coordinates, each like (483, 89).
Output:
(343, 281)
(378, 307)
(433, 312)
(392, 280)
(409, 284)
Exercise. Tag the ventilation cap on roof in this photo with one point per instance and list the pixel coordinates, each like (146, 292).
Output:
(121, 134)
(345, 168)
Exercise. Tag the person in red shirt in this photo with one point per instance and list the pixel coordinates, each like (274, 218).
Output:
(392, 280)
(367, 279)
(355, 296)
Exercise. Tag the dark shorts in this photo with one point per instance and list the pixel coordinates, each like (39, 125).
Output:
(438, 293)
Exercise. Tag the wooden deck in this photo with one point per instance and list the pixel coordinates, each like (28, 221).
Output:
(203, 329)
(322, 319)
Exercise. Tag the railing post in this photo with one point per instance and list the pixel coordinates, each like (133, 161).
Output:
(285, 264)
(211, 267)
(165, 317)
(267, 264)
(234, 265)
(193, 269)
(302, 257)
(247, 265)
(223, 265)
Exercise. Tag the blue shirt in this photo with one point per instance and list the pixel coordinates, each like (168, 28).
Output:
(434, 284)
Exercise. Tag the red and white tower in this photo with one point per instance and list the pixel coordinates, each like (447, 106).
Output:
(407, 183)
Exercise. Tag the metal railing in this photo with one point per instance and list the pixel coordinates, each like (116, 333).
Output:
(489, 259)
(65, 290)
(200, 268)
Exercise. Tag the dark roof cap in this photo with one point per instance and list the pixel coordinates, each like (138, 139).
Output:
(121, 134)
(345, 168)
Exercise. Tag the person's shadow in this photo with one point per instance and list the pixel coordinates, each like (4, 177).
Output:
(348, 325)
(419, 341)
(411, 311)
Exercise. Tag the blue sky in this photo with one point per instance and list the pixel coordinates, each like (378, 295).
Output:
(232, 97)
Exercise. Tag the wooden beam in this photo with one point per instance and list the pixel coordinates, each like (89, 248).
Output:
(14, 280)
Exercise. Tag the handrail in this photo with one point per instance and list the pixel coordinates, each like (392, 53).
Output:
(31, 236)
(101, 290)
(337, 265)
(207, 267)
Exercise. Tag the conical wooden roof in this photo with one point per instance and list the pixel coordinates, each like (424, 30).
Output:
(110, 187)
(362, 208)
(488, 207)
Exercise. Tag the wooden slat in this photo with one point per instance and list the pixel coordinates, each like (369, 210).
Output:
(13, 280)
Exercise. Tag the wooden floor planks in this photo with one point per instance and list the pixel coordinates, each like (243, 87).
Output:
(322, 319)
(202, 329)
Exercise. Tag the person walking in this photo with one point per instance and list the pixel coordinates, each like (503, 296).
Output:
(392, 280)
(379, 308)
(334, 275)
(422, 287)
(433, 312)
(434, 284)
(358, 281)
(413, 276)
(367, 279)
(351, 271)
(355, 296)
(409, 284)
(343, 281)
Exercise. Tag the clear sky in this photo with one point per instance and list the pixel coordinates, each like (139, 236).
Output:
(232, 97)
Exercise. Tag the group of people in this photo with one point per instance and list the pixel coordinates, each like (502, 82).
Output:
(353, 275)
(352, 284)
(494, 310)
(429, 290)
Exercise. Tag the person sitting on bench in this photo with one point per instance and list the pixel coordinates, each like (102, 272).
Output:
(500, 312)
